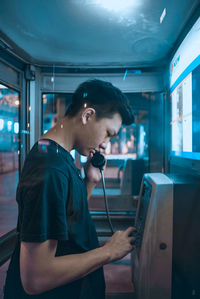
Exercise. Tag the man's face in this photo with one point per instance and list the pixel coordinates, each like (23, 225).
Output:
(96, 134)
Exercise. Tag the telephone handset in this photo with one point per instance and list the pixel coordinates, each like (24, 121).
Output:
(99, 161)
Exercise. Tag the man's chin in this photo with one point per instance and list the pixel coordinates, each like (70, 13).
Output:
(84, 153)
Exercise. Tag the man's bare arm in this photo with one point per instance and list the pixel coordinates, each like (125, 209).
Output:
(41, 271)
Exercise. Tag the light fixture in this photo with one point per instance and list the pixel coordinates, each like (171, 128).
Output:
(163, 15)
(116, 5)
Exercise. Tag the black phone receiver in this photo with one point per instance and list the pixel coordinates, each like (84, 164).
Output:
(98, 160)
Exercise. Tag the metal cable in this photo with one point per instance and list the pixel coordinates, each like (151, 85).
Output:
(106, 201)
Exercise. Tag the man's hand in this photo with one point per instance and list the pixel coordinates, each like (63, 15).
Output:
(120, 244)
(92, 174)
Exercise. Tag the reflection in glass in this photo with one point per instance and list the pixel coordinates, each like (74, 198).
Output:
(9, 162)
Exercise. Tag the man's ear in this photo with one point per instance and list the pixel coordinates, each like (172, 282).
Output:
(87, 114)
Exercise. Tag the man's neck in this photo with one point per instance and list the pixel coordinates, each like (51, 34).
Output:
(62, 133)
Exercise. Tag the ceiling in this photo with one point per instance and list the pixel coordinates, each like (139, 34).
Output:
(83, 33)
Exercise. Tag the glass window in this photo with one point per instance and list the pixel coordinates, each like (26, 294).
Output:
(54, 107)
(9, 157)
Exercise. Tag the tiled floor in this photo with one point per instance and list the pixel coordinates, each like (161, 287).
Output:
(117, 274)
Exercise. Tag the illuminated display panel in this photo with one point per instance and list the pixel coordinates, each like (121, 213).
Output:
(185, 97)
(182, 116)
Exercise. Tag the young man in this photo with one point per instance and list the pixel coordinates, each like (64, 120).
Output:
(57, 254)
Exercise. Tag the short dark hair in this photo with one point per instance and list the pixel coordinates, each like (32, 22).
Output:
(105, 98)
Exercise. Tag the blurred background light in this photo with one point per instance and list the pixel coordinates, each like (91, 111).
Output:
(9, 125)
(3, 87)
(72, 152)
(83, 159)
(1, 124)
(16, 128)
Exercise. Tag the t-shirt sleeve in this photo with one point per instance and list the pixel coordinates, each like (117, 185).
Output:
(43, 202)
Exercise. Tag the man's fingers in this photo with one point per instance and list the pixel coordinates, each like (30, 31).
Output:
(130, 230)
(132, 240)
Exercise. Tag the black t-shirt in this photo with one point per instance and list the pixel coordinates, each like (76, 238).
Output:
(52, 201)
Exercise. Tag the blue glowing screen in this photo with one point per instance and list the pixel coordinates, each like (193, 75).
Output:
(185, 113)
